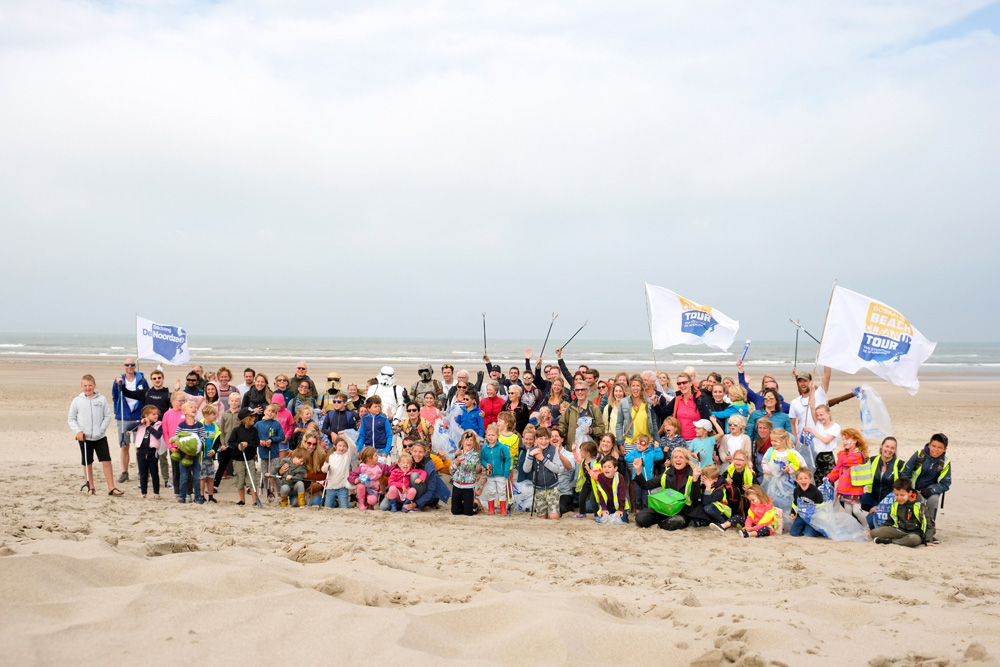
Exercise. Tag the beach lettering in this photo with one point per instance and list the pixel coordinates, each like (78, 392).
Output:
(696, 319)
(887, 335)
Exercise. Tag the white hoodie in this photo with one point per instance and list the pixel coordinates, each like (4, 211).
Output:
(91, 415)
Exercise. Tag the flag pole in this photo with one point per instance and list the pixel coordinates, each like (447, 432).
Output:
(825, 320)
(649, 324)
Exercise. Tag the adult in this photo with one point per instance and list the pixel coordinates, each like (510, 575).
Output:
(581, 407)
(635, 417)
(447, 381)
(156, 395)
(823, 438)
(325, 401)
(553, 399)
(414, 425)
(211, 397)
(127, 410)
(650, 391)
(772, 411)
(303, 396)
(531, 395)
(314, 467)
(354, 399)
(425, 383)
(665, 384)
(886, 469)
(514, 376)
(930, 472)
(248, 379)
(514, 405)
(283, 386)
(761, 443)
(200, 372)
(224, 376)
(766, 382)
(543, 379)
(591, 377)
(432, 490)
(492, 403)
(393, 396)
(688, 406)
(190, 387)
(496, 375)
(89, 418)
(457, 393)
(717, 403)
(682, 475)
(301, 375)
(258, 397)
(610, 413)
(798, 409)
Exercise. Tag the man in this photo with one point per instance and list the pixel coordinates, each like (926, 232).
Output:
(581, 406)
(531, 394)
(190, 387)
(448, 375)
(127, 410)
(200, 372)
(300, 375)
(514, 375)
(798, 408)
(551, 372)
(591, 376)
(496, 375)
(248, 375)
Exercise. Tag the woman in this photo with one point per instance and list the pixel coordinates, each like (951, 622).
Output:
(688, 406)
(683, 476)
(432, 490)
(211, 397)
(611, 412)
(761, 444)
(771, 410)
(303, 397)
(886, 468)
(554, 398)
(635, 417)
(668, 386)
(492, 405)
(514, 405)
(257, 397)
(283, 387)
(314, 464)
(414, 424)
(224, 377)
(824, 438)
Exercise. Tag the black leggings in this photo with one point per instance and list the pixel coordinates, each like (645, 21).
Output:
(225, 458)
(646, 517)
(463, 501)
(148, 467)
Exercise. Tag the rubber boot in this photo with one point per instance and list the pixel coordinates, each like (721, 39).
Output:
(503, 507)
(492, 507)
(302, 500)
(284, 501)
(393, 505)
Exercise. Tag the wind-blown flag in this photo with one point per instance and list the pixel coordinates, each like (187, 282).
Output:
(161, 342)
(675, 320)
(863, 333)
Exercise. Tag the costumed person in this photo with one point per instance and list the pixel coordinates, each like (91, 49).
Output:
(425, 384)
(325, 401)
(393, 397)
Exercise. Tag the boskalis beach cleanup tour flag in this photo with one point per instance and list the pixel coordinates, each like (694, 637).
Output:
(675, 320)
(161, 342)
(862, 333)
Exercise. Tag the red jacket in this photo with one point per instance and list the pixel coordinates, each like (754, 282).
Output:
(491, 407)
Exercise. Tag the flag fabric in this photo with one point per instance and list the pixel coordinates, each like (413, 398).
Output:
(863, 333)
(161, 342)
(675, 320)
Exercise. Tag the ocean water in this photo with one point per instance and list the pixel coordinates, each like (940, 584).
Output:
(981, 359)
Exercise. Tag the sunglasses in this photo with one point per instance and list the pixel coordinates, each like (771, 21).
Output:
(300, 368)
(681, 383)
(412, 410)
(463, 386)
(129, 365)
(337, 401)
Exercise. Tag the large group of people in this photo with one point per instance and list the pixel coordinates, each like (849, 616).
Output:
(672, 452)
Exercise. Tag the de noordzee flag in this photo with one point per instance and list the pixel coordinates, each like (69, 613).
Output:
(675, 320)
(161, 342)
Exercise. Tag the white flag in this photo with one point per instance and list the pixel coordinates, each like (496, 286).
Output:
(675, 320)
(161, 342)
(862, 333)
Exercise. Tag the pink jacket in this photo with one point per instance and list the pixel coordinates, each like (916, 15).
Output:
(375, 474)
(155, 443)
(170, 423)
(284, 417)
(401, 480)
(841, 473)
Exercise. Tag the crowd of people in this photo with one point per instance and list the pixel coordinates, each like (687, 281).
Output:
(671, 452)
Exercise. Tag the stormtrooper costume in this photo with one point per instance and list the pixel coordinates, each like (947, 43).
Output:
(425, 384)
(393, 397)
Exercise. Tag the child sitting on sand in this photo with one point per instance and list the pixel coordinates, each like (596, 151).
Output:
(367, 477)
(715, 498)
(586, 456)
(337, 467)
(649, 454)
(291, 474)
(761, 519)
(401, 489)
(739, 477)
(804, 488)
(611, 489)
(906, 524)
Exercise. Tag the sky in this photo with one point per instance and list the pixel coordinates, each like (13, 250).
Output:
(397, 168)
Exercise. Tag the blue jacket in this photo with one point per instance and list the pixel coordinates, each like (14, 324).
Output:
(497, 456)
(338, 420)
(123, 411)
(471, 420)
(375, 431)
(270, 429)
(757, 399)
(652, 454)
(778, 419)
(436, 488)
(935, 474)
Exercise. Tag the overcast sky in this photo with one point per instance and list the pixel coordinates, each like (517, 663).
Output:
(394, 168)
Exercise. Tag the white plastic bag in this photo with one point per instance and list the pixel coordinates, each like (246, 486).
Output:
(875, 418)
(583, 427)
(610, 519)
(441, 440)
(780, 487)
(524, 496)
(835, 523)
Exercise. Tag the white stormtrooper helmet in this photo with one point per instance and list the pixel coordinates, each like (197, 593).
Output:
(387, 376)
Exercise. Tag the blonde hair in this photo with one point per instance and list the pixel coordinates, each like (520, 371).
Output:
(209, 409)
(302, 409)
(507, 418)
(738, 393)
(405, 456)
(782, 436)
(367, 454)
(759, 493)
(493, 428)
(710, 472)
(737, 420)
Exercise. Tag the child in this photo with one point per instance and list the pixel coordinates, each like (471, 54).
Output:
(302, 420)
(761, 517)
(284, 417)
(367, 477)
(780, 452)
(376, 429)
(715, 498)
(703, 446)
(854, 453)
(671, 430)
(739, 477)
(929, 470)
(612, 490)
(244, 442)
(509, 437)
(463, 475)
(495, 458)
(148, 439)
(337, 467)
(907, 521)
(189, 476)
(429, 412)
(567, 475)
(271, 436)
(89, 417)
(737, 406)
(544, 464)
(338, 419)
(291, 474)
(649, 455)
(212, 434)
(527, 442)
(804, 488)
(734, 441)
(586, 456)
(470, 418)
(171, 419)
(400, 479)
(229, 421)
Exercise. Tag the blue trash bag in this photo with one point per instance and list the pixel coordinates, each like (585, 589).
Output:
(806, 508)
(611, 519)
(833, 522)
(807, 449)
(524, 495)
(826, 488)
(881, 511)
(441, 440)
(875, 418)
(780, 487)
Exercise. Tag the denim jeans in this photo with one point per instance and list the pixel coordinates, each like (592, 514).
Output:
(190, 476)
(715, 514)
(802, 529)
(339, 497)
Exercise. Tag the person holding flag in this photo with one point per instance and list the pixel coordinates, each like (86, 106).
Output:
(127, 410)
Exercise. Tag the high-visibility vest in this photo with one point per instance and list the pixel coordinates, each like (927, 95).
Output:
(920, 466)
(897, 468)
(722, 506)
(599, 492)
(687, 488)
(916, 512)
(747, 474)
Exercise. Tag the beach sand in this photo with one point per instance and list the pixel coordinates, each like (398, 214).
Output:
(99, 580)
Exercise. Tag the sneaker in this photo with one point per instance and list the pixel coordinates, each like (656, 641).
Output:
(122, 478)
(181, 501)
(138, 487)
(215, 488)
(718, 527)
(745, 533)
(168, 485)
(579, 516)
(200, 501)
(241, 503)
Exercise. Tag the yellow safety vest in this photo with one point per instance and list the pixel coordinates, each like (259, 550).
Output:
(722, 506)
(916, 512)
(916, 473)
(747, 474)
(687, 488)
(897, 468)
(599, 492)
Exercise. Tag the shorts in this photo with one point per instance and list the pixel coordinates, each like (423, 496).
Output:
(89, 447)
(244, 473)
(495, 489)
(547, 501)
(124, 434)
(207, 468)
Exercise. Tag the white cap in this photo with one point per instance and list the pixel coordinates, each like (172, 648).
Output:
(705, 424)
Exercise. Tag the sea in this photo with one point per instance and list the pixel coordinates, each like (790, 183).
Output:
(979, 360)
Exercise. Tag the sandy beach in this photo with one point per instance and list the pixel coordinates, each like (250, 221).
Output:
(99, 580)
